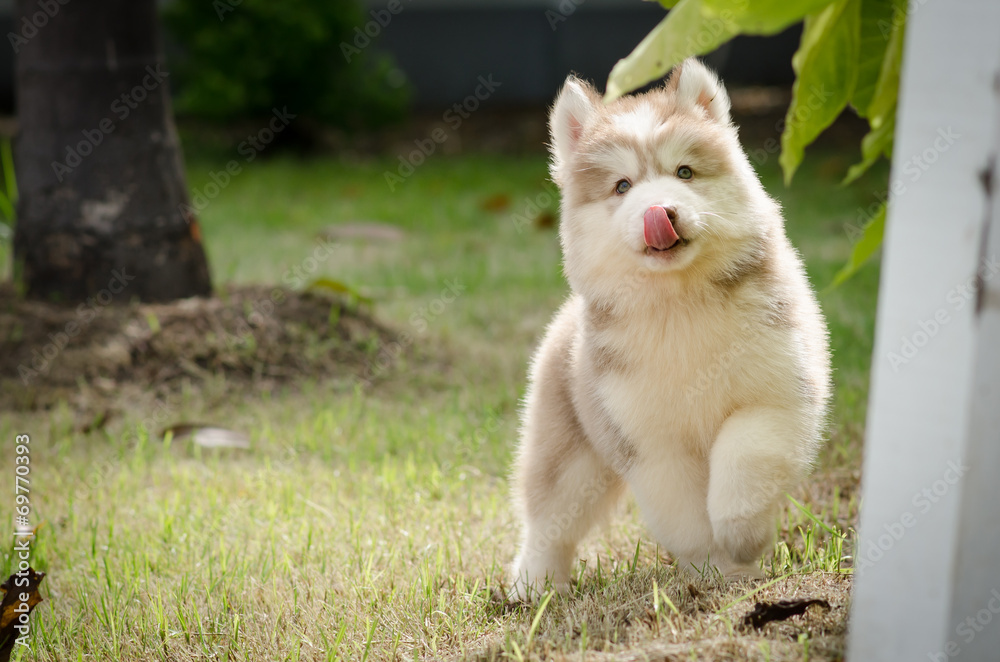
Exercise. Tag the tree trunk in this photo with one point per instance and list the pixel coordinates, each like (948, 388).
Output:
(103, 202)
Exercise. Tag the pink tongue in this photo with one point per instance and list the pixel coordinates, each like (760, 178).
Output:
(657, 230)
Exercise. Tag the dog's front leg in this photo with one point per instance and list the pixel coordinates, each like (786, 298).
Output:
(758, 455)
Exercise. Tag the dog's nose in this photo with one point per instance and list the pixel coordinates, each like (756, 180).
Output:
(671, 213)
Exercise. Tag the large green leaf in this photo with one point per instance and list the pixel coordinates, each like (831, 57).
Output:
(761, 17)
(875, 144)
(871, 239)
(881, 110)
(696, 27)
(883, 102)
(684, 32)
(876, 15)
(826, 67)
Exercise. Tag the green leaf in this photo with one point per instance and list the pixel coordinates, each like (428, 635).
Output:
(331, 285)
(881, 110)
(761, 17)
(876, 143)
(883, 103)
(871, 239)
(6, 210)
(667, 4)
(684, 32)
(696, 27)
(8, 197)
(826, 73)
(9, 178)
(876, 21)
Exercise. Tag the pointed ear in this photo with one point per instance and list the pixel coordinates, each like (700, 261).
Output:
(695, 85)
(575, 106)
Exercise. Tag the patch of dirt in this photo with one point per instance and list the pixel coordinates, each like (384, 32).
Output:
(254, 336)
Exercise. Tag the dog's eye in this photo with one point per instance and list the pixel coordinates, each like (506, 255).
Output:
(622, 186)
(685, 172)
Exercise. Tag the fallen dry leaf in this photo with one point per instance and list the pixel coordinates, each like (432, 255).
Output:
(766, 612)
(13, 607)
(208, 435)
(545, 220)
(496, 202)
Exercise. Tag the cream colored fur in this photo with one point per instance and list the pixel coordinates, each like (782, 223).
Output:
(698, 377)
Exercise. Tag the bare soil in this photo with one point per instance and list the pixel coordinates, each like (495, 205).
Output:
(256, 337)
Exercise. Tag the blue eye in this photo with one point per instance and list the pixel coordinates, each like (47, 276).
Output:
(685, 172)
(622, 186)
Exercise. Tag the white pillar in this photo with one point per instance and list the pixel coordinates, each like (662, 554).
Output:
(931, 478)
(974, 632)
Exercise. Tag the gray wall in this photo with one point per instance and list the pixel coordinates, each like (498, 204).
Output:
(443, 46)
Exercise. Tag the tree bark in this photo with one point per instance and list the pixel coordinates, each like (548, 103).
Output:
(103, 198)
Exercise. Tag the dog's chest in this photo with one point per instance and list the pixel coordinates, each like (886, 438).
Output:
(671, 381)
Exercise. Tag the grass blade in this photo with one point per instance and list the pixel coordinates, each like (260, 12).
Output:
(537, 620)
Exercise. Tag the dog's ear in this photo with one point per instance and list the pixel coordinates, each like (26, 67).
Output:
(575, 105)
(695, 85)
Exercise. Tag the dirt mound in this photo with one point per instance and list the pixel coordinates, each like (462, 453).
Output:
(254, 335)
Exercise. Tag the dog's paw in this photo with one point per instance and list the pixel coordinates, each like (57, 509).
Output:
(530, 593)
(529, 584)
(740, 572)
(744, 539)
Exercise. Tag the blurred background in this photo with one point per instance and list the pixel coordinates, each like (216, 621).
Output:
(408, 134)
(437, 47)
(425, 56)
(288, 425)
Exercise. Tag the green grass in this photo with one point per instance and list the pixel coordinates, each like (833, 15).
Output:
(373, 523)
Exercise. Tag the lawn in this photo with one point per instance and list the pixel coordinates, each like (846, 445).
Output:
(371, 520)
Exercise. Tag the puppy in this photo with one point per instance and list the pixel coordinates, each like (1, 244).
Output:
(690, 361)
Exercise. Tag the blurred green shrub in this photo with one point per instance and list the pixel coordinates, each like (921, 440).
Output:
(241, 58)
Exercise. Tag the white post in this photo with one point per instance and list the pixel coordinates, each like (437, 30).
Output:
(929, 550)
(974, 632)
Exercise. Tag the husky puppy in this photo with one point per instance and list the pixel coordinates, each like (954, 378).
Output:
(691, 360)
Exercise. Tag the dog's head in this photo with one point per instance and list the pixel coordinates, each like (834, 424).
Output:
(655, 186)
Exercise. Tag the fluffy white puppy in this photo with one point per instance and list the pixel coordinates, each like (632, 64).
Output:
(691, 359)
